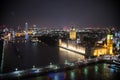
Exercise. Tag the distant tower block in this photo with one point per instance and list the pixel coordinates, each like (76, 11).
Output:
(73, 34)
(110, 43)
(34, 29)
(26, 31)
(13, 34)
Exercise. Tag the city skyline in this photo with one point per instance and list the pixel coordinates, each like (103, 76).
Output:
(59, 12)
(59, 40)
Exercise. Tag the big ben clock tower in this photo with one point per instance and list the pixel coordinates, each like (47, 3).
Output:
(110, 43)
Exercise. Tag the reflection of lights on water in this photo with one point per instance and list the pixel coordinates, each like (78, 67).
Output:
(56, 76)
(86, 71)
(96, 68)
(72, 75)
(104, 65)
(41, 78)
(65, 75)
(111, 69)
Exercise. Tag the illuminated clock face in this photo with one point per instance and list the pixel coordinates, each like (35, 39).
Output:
(109, 36)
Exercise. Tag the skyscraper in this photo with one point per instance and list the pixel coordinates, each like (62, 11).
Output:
(26, 31)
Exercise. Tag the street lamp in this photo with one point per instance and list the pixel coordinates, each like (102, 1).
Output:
(2, 61)
(16, 69)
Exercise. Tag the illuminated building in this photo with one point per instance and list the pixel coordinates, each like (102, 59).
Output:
(72, 45)
(109, 44)
(34, 29)
(30, 32)
(18, 34)
(26, 31)
(107, 47)
(73, 34)
(100, 51)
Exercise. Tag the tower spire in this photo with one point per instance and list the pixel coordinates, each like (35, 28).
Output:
(26, 31)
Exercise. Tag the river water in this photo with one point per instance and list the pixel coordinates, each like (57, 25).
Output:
(23, 55)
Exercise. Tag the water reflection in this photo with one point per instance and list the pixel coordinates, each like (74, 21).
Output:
(56, 76)
(111, 69)
(72, 75)
(104, 65)
(91, 72)
(85, 72)
(68, 55)
(37, 54)
(96, 69)
(41, 55)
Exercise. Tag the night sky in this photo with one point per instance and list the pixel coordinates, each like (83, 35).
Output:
(60, 12)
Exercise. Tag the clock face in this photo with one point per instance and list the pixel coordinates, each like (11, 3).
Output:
(109, 36)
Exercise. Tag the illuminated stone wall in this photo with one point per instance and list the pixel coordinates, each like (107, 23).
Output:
(72, 45)
(100, 51)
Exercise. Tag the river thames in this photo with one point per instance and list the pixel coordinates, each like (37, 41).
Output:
(23, 55)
